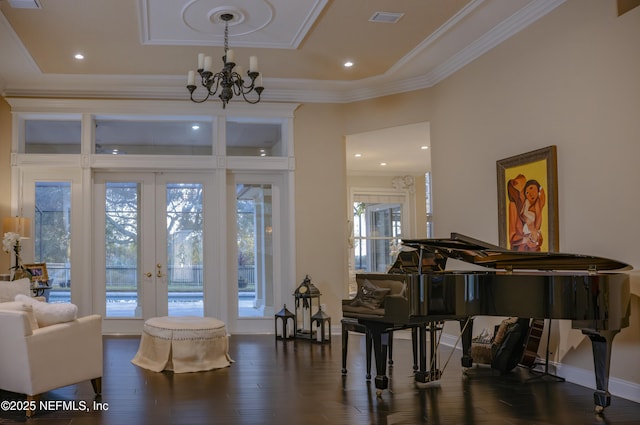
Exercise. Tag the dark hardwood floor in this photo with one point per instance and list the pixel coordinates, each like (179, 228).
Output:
(299, 382)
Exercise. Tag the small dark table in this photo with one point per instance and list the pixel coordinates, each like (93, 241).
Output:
(39, 287)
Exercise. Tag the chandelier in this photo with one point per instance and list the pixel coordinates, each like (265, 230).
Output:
(229, 80)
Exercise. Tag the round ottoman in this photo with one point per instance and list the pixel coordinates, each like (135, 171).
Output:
(183, 344)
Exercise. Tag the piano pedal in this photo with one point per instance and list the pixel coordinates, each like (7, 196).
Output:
(427, 377)
(429, 384)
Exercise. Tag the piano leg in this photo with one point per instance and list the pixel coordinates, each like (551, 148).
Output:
(414, 346)
(601, 343)
(368, 347)
(390, 346)
(345, 344)
(421, 375)
(428, 372)
(379, 338)
(434, 372)
(434, 329)
(466, 327)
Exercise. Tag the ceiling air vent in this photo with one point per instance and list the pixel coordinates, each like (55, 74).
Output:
(386, 17)
(25, 4)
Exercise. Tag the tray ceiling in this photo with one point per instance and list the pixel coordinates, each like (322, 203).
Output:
(144, 48)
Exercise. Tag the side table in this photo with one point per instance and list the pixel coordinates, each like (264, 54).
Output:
(40, 288)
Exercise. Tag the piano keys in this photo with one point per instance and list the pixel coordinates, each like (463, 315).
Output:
(590, 291)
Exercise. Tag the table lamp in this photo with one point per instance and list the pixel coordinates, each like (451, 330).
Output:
(20, 226)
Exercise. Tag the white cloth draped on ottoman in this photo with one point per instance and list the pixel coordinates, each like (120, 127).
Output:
(183, 344)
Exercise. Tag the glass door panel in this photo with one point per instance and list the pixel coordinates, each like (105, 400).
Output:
(150, 253)
(184, 248)
(122, 249)
(52, 236)
(255, 249)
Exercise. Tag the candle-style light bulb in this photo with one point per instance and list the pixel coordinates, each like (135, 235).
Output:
(231, 56)
(207, 63)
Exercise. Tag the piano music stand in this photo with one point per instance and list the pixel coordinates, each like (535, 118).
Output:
(543, 374)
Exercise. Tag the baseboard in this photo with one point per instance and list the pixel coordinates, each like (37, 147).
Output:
(584, 377)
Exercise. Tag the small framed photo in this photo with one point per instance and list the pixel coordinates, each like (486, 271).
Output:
(38, 272)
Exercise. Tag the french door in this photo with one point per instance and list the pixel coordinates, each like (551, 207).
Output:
(152, 233)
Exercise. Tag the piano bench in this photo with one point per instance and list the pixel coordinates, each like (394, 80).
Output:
(352, 325)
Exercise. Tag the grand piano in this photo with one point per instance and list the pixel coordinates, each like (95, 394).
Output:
(590, 291)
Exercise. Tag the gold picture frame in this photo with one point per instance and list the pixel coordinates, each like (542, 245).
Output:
(38, 272)
(528, 201)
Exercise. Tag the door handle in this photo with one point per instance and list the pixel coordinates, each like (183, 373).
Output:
(159, 272)
(148, 274)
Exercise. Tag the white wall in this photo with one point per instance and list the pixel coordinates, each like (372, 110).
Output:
(570, 80)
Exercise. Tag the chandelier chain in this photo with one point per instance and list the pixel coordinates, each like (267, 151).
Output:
(226, 39)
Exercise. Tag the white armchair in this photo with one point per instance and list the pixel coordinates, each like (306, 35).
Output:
(39, 360)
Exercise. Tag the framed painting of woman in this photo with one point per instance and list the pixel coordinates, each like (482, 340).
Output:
(528, 201)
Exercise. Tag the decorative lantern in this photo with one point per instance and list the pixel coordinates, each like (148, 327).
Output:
(322, 323)
(307, 298)
(288, 319)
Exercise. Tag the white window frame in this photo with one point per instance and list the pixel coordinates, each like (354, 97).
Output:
(83, 165)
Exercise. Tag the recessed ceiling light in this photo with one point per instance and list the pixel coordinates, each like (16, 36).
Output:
(424, 147)
(195, 127)
(348, 64)
(79, 56)
(383, 163)
(358, 155)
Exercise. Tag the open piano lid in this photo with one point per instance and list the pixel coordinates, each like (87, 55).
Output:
(484, 254)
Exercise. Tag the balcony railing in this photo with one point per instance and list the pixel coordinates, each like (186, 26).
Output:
(125, 278)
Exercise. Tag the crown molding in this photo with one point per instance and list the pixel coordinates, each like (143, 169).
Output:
(142, 107)
(34, 83)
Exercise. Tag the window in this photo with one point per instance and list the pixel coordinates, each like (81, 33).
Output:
(52, 136)
(252, 137)
(153, 137)
(429, 204)
(128, 202)
(377, 230)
